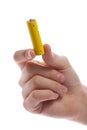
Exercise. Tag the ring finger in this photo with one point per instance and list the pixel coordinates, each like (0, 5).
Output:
(41, 83)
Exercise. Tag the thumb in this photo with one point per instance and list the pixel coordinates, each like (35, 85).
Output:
(53, 60)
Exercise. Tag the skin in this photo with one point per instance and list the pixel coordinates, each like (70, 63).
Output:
(51, 87)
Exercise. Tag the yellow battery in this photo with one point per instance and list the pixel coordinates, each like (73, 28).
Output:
(35, 37)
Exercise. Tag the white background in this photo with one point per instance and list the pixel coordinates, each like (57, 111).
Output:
(62, 24)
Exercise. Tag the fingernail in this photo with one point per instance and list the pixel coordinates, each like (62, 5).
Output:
(60, 78)
(63, 90)
(28, 55)
(56, 95)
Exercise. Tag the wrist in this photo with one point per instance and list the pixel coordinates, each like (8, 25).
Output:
(81, 116)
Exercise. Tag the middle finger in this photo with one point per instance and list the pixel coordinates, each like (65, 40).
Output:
(32, 69)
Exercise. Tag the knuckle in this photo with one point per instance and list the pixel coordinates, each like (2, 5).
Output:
(27, 106)
(66, 61)
(21, 83)
(36, 80)
(24, 105)
(65, 58)
(34, 95)
(15, 56)
(37, 109)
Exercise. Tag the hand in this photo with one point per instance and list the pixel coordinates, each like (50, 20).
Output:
(39, 97)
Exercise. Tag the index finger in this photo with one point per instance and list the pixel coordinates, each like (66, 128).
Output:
(23, 56)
